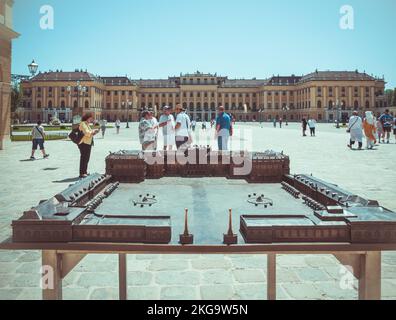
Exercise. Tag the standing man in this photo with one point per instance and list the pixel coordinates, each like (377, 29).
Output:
(304, 124)
(223, 129)
(38, 138)
(183, 125)
(193, 125)
(274, 122)
(394, 126)
(118, 125)
(387, 123)
(312, 126)
(280, 122)
(355, 128)
(103, 124)
(167, 123)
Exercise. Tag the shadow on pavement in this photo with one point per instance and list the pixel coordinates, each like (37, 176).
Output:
(67, 180)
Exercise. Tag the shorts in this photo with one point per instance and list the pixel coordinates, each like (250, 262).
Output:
(38, 143)
(387, 129)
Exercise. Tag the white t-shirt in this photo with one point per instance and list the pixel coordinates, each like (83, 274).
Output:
(170, 125)
(38, 132)
(185, 125)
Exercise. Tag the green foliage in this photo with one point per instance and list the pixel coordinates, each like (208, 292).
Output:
(29, 138)
(16, 98)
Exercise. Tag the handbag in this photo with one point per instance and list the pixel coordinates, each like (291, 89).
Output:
(349, 129)
(76, 135)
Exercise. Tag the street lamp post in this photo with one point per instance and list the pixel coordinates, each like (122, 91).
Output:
(286, 109)
(33, 68)
(338, 114)
(77, 112)
(128, 105)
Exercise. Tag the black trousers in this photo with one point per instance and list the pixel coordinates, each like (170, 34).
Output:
(85, 155)
(181, 141)
(312, 131)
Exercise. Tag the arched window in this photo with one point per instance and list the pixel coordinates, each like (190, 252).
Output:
(62, 104)
(343, 105)
(213, 106)
(75, 104)
(86, 104)
(319, 104)
(185, 105)
(50, 104)
(356, 105)
(331, 104)
(38, 104)
(227, 106)
(367, 104)
(191, 106)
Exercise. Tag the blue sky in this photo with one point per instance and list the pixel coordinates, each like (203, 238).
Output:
(239, 39)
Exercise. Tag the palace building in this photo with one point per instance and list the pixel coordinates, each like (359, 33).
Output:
(6, 36)
(323, 95)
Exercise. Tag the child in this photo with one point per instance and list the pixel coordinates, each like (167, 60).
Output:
(380, 130)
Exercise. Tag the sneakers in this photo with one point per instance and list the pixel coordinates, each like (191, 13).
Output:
(32, 158)
(46, 156)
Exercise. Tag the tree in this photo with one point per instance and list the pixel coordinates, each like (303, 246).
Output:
(16, 97)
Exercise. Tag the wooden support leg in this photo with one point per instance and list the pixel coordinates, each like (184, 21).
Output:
(271, 276)
(122, 275)
(51, 278)
(370, 276)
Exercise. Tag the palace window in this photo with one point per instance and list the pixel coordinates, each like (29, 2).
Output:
(86, 104)
(319, 104)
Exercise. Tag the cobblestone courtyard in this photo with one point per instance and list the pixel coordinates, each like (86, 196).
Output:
(371, 174)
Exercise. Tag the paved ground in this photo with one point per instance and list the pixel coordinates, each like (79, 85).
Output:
(371, 174)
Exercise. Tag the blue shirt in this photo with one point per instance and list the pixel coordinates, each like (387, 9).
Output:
(224, 121)
(386, 120)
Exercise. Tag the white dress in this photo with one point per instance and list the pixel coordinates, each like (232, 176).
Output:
(356, 127)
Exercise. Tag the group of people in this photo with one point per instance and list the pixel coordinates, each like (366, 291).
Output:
(177, 132)
(375, 129)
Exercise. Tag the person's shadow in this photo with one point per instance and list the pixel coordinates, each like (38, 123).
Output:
(68, 180)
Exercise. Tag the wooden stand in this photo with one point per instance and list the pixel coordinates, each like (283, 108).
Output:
(186, 237)
(230, 238)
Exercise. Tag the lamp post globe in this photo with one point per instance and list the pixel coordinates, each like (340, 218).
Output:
(33, 68)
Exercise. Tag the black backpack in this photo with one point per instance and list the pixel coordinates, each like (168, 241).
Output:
(76, 136)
